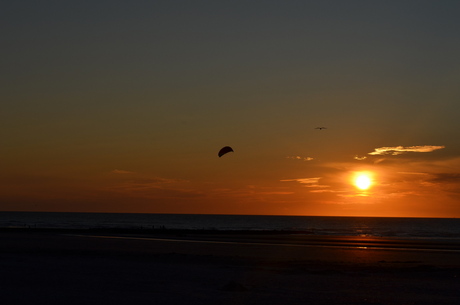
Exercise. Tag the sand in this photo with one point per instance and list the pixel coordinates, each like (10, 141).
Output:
(79, 267)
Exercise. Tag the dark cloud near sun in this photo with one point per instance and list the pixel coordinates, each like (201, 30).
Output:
(445, 178)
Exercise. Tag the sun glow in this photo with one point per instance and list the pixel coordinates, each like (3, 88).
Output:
(363, 181)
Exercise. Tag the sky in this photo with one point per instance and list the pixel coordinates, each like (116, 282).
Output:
(122, 106)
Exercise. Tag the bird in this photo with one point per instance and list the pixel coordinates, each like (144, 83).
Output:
(320, 128)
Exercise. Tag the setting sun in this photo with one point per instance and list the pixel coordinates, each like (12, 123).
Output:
(363, 181)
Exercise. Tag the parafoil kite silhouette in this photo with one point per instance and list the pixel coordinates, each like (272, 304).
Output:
(224, 150)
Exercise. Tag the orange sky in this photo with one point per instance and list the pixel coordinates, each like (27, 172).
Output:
(121, 107)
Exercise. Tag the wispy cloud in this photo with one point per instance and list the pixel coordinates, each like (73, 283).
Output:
(397, 150)
(323, 191)
(304, 180)
(360, 158)
(412, 173)
(120, 171)
(446, 178)
(308, 182)
(155, 188)
(300, 158)
(150, 183)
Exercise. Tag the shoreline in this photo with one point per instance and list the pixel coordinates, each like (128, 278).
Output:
(183, 241)
(289, 236)
(58, 266)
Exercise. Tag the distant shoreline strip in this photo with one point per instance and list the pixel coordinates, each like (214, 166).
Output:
(319, 245)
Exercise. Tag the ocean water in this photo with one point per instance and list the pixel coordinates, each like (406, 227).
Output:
(317, 225)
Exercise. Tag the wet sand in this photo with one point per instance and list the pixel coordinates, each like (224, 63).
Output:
(79, 267)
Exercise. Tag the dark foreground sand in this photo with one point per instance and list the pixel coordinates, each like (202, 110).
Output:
(60, 267)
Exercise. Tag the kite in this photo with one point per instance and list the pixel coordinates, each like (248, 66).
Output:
(224, 150)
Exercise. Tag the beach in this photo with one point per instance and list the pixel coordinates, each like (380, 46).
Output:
(81, 267)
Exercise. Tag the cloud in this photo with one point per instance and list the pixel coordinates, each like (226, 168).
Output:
(397, 150)
(300, 158)
(446, 178)
(155, 187)
(120, 171)
(309, 182)
(413, 173)
(150, 183)
(304, 180)
(360, 158)
(278, 193)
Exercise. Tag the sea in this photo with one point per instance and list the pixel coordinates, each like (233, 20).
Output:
(446, 228)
